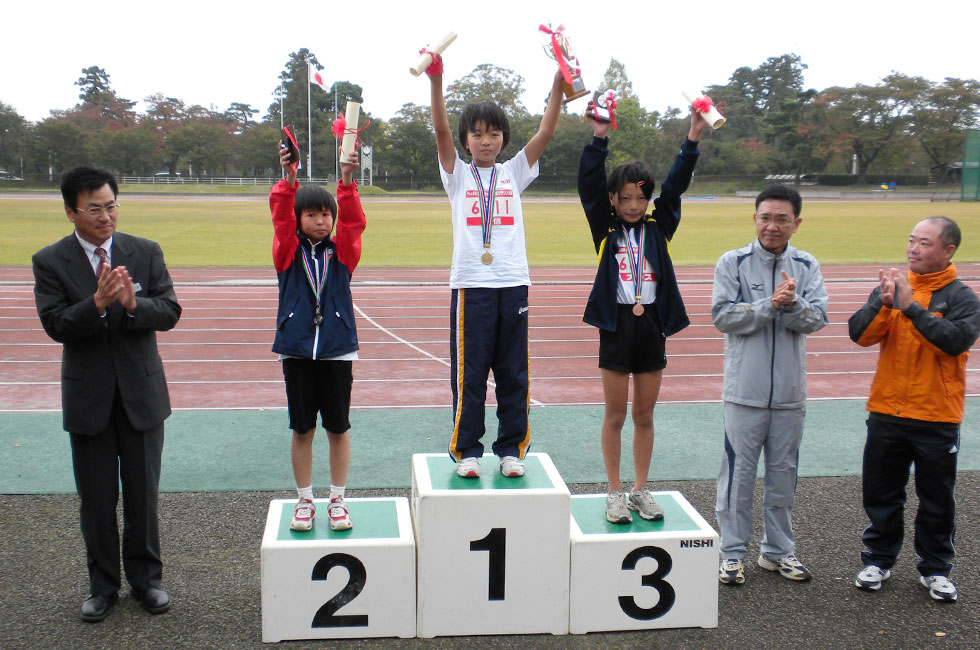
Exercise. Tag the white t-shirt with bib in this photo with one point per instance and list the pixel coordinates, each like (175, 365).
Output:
(509, 266)
(626, 288)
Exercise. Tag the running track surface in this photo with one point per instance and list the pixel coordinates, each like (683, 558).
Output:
(218, 356)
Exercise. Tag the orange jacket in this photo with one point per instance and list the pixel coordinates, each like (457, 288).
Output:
(921, 370)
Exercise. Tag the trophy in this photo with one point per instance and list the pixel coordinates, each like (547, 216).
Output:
(560, 49)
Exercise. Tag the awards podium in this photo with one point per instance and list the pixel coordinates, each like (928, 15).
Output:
(487, 555)
(492, 551)
(325, 584)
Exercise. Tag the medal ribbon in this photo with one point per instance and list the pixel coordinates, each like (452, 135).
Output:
(486, 202)
(636, 261)
(316, 284)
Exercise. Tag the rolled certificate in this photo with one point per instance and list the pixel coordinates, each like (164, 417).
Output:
(705, 106)
(347, 146)
(426, 58)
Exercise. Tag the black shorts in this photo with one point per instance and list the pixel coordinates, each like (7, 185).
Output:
(313, 386)
(638, 344)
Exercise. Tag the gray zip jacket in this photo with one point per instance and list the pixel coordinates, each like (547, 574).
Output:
(765, 347)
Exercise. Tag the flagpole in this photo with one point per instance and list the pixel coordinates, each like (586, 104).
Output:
(336, 155)
(309, 126)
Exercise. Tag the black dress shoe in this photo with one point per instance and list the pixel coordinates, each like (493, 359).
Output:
(96, 608)
(154, 600)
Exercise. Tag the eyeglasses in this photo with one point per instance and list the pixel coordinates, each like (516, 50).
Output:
(95, 212)
(782, 222)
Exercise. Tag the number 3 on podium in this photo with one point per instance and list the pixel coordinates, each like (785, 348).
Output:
(655, 580)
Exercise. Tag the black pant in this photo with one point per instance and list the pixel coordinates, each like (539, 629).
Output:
(892, 447)
(489, 331)
(100, 461)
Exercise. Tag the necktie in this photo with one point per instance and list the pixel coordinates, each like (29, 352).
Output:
(103, 261)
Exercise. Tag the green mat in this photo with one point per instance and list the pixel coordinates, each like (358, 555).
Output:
(214, 451)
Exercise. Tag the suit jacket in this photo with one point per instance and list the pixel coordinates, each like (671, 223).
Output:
(119, 351)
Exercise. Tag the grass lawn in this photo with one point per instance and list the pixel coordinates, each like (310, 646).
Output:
(236, 231)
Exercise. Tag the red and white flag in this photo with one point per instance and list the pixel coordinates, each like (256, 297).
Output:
(317, 78)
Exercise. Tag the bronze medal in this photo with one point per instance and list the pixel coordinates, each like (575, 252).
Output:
(487, 258)
(637, 309)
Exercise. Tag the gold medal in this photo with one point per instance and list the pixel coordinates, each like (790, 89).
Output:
(486, 258)
(637, 309)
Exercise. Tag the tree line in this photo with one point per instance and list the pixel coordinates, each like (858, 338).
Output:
(900, 125)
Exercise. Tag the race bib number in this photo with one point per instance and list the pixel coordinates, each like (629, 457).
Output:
(503, 208)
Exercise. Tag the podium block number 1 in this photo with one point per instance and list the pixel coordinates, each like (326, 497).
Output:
(655, 580)
(327, 616)
(496, 543)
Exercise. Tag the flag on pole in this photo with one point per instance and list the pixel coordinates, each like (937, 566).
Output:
(316, 78)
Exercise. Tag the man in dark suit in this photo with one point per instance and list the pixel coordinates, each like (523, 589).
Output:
(103, 295)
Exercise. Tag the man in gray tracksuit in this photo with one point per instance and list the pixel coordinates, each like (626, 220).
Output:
(767, 297)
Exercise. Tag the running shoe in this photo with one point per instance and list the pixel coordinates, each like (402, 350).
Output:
(642, 502)
(731, 572)
(303, 515)
(616, 510)
(339, 516)
(871, 577)
(511, 466)
(789, 567)
(469, 467)
(940, 588)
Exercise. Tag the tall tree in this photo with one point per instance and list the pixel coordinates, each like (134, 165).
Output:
(941, 119)
(869, 119)
(488, 83)
(410, 149)
(97, 94)
(14, 135)
(61, 145)
(615, 79)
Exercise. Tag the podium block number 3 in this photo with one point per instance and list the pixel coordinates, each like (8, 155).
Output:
(496, 543)
(327, 616)
(655, 580)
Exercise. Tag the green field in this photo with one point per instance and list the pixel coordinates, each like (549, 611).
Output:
(236, 231)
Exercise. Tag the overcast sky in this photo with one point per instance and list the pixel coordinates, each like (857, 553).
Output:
(213, 54)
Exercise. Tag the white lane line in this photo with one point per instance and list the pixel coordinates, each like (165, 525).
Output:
(490, 382)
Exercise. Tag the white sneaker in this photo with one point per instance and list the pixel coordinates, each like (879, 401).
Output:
(789, 567)
(616, 510)
(940, 588)
(303, 515)
(339, 515)
(642, 502)
(871, 577)
(469, 467)
(511, 466)
(731, 572)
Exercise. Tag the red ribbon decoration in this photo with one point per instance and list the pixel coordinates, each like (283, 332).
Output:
(339, 129)
(703, 104)
(611, 104)
(436, 66)
(562, 64)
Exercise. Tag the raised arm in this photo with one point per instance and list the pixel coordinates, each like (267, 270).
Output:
(440, 119)
(549, 122)
(350, 217)
(592, 190)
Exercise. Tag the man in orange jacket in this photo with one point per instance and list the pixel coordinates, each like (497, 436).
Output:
(926, 321)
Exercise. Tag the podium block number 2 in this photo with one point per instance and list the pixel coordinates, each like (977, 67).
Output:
(496, 544)
(327, 616)
(655, 580)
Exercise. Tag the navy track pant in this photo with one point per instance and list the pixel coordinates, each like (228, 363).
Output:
(489, 331)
